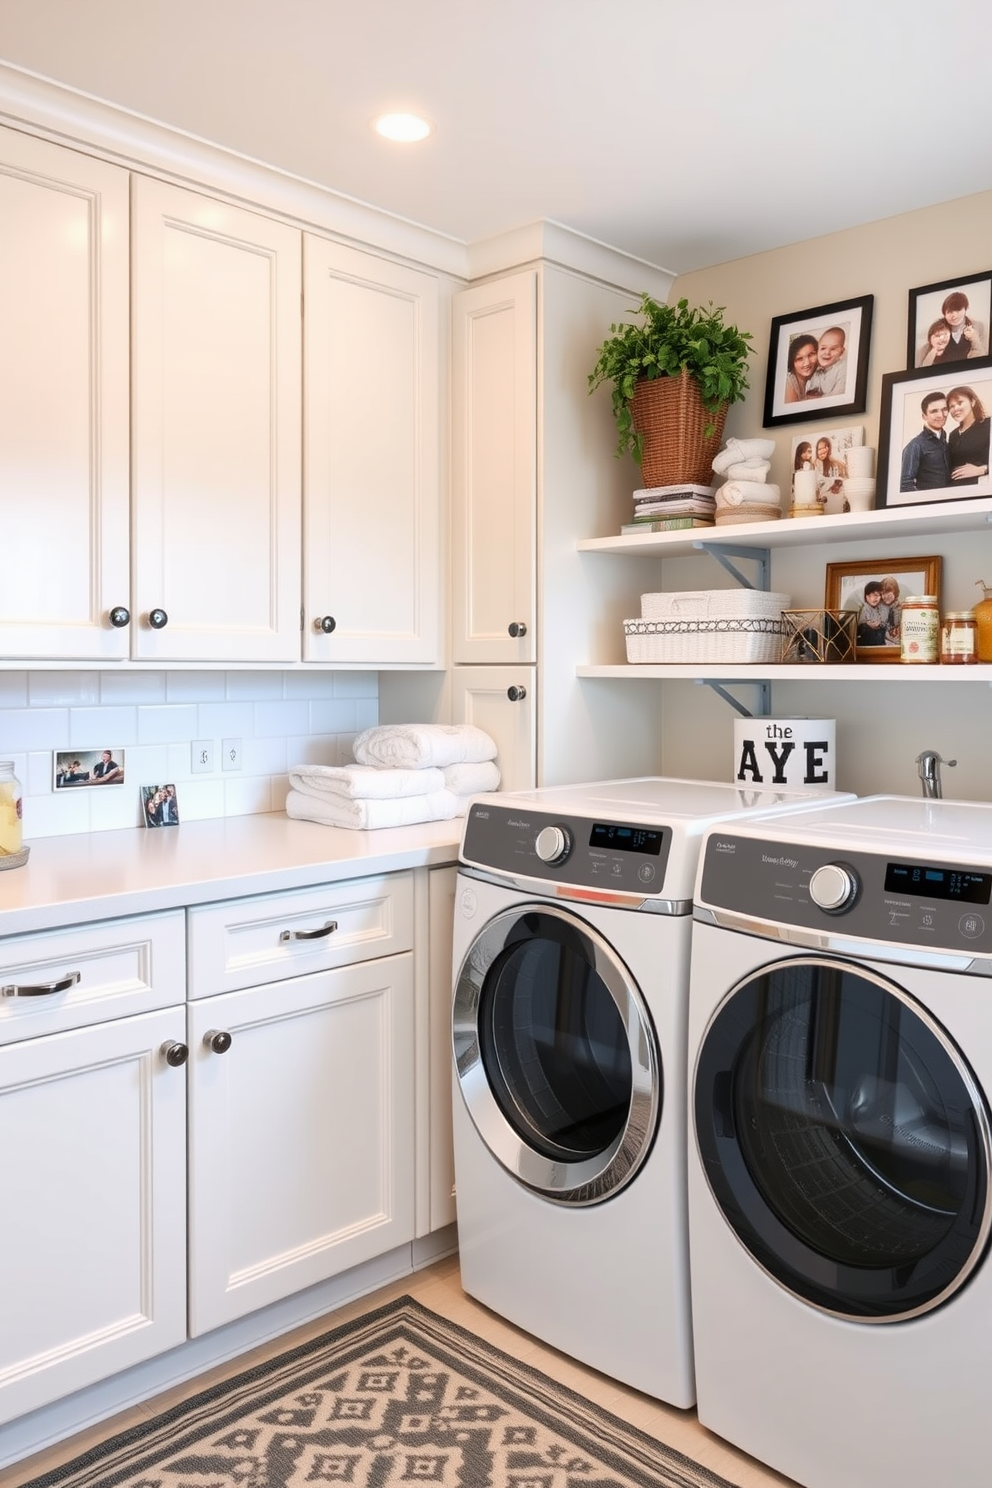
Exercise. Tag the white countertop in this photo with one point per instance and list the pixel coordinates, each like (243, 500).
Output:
(100, 875)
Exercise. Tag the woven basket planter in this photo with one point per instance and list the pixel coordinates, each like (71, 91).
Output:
(668, 414)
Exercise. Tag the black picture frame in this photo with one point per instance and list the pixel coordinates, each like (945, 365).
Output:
(901, 419)
(850, 319)
(927, 310)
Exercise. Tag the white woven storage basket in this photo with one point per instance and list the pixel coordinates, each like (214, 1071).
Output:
(715, 604)
(732, 639)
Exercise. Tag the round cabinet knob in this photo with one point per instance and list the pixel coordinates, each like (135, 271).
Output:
(175, 1053)
(553, 845)
(157, 619)
(517, 628)
(325, 624)
(119, 617)
(217, 1040)
(834, 887)
(516, 694)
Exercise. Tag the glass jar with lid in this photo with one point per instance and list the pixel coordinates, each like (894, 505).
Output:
(11, 840)
(918, 629)
(958, 638)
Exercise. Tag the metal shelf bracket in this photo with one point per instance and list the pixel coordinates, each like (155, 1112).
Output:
(720, 688)
(724, 552)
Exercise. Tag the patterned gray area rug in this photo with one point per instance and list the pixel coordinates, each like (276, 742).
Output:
(397, 1397)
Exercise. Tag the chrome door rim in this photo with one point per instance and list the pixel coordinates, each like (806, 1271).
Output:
(978, 1105)
(596, 1178)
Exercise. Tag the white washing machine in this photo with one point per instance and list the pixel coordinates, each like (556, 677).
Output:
(840, 1056)
(571, 949)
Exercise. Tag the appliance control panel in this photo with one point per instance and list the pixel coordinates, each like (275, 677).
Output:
(884, 896)
(610, 856)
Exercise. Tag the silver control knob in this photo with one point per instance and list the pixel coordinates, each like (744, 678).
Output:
(833, 887)
(553, 845)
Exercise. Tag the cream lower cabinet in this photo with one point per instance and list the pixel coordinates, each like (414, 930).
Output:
(441, 911)
(216, 411)
(301, 1104)
(372, 538)
(93, 1156)
(64, 544)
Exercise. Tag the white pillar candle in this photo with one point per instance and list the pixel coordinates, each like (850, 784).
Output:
(860, 461)
(804, 488)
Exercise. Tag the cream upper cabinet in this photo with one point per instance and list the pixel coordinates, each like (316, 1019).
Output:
(494, 471)
(216, 413)
(371, 555)
(63, 402)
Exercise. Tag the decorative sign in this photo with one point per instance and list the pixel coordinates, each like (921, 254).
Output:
(791, 752)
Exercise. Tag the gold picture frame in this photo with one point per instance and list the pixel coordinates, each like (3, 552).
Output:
(847, 588)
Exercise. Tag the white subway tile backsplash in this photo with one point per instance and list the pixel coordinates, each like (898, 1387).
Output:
(101, 728)
(254, 687)
(132, 687)
(279, 719)
(282, 719)
(168, 724)
(195, 687)
(63, 689)
(355, 684)
(13, 689)
(24, 729)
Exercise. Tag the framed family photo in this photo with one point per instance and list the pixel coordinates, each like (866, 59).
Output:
(949, 322)
(877, 588)
(75, 768)
(818, 362)
(159, 806)
(933, 435)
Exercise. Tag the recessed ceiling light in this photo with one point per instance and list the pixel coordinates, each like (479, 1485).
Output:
(406, 129)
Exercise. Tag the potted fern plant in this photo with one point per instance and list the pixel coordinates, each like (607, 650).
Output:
(674, 376)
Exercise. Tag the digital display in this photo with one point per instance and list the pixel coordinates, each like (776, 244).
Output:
(958, 884)
(619, 837)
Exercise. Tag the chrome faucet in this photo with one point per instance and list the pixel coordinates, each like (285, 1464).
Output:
(929, 763)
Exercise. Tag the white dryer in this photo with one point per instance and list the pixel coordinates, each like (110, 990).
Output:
(571, 956)
(840, 1050)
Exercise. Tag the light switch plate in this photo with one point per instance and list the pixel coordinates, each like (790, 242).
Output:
(201, 756)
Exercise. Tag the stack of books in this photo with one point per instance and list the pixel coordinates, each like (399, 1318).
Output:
(664, 508)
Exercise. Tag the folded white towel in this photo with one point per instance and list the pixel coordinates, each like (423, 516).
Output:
(743, 493)
(417, 745)
(752, 470)
(366, 815)
(363, 782)
(470, 780)
(737, 450)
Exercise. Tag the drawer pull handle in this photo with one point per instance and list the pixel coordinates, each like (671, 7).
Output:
(43, 989)
(217, 1040)
(175, 1053)
(328, 929)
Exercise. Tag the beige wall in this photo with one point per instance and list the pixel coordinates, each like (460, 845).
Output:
(880, 728)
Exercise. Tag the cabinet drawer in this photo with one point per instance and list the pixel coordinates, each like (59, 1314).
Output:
(62, 979)
(245, 942)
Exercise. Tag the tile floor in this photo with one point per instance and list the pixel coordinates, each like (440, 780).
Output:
(439, 1288)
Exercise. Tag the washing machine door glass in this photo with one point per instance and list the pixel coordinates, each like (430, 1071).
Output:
(556, 1055)
(844, 1138)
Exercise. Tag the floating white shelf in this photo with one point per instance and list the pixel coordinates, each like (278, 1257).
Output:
(807, 672)
(790, 532)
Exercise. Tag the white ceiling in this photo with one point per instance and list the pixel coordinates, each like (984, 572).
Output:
(686, 132)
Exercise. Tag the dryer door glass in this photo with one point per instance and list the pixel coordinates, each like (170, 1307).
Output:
(556, 1055)
(845, 1139)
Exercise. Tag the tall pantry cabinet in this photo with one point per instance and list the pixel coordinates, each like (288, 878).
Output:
(534, 470)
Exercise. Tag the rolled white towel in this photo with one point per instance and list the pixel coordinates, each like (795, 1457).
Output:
(369, 816)
(416, 745)
(753, 470)
(737, 450)
(363, 782)
(747, 493)
(470, 780)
